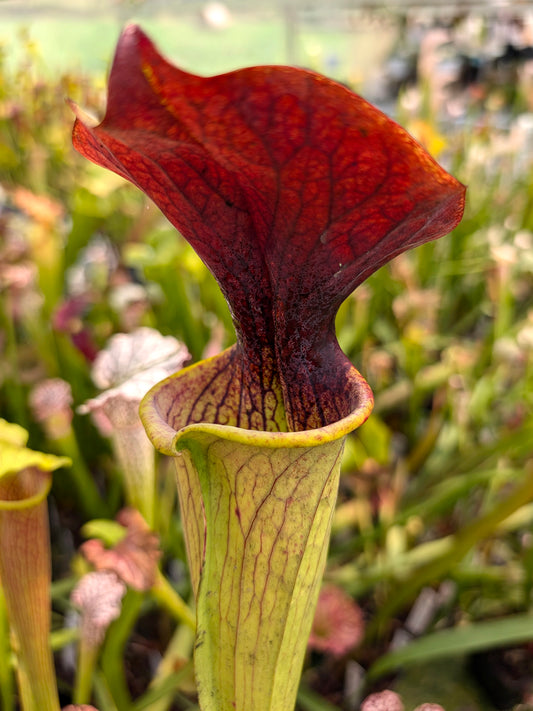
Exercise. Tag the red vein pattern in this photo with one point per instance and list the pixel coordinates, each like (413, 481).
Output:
(292, 190)
(262, 568)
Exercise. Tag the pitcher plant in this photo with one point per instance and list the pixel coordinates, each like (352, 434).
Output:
(25, 565)
(292, 190)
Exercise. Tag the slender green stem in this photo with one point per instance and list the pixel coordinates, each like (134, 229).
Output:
(104, 698)
(13, 385)
(164, 685)
(167, 596)
(87, 656)
(160, 696)
(504, 306)
(461, 543)
(309, 701)
(113, 649)
(89, 498)
(7, 702)
(59, 639)
(62, 588)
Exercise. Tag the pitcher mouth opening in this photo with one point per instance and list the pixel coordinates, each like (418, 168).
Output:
(31, 493)
(154, 411)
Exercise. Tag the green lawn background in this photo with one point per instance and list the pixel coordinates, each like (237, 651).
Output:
(85, 43)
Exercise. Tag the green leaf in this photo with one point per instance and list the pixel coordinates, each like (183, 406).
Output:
(110, 532)
(457, 641)
(167, 686)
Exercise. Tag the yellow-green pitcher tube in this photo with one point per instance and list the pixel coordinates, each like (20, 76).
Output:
(25, 578)
(25, 563)
(268, 516)
(257, 509)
